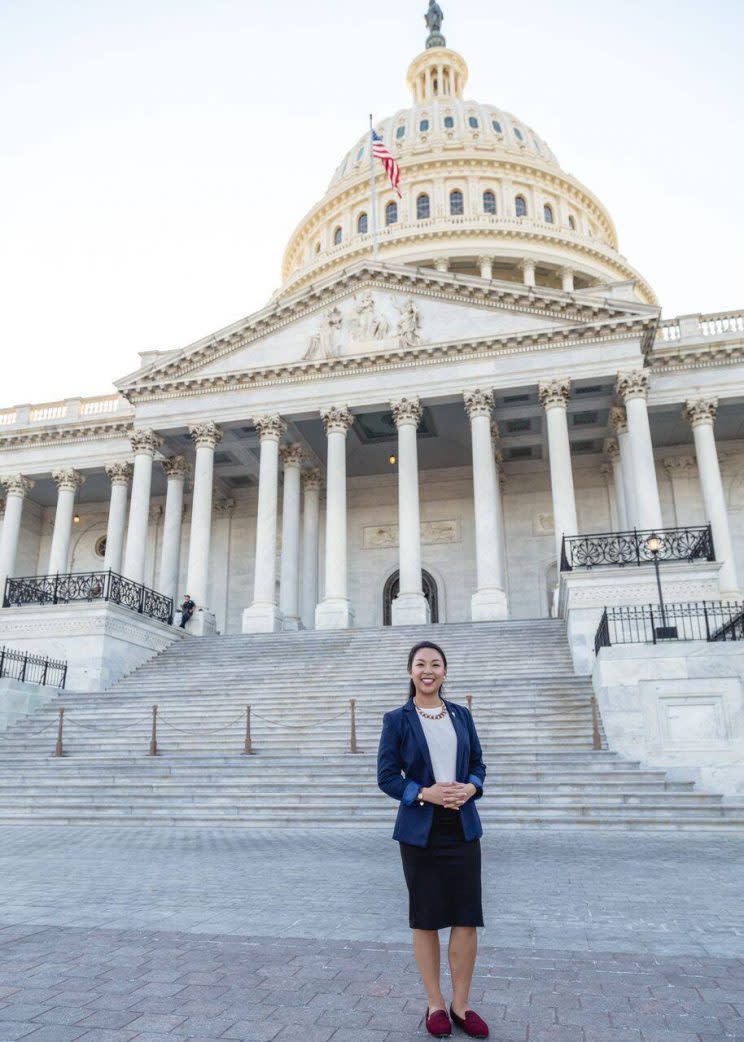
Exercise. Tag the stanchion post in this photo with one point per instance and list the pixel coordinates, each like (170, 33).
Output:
(596, 737)
(352, 706)
(154, 735)
(469, 700)
(58, 750)
(248, 747)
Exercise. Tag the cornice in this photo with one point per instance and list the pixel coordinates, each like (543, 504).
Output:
(78, 433)
(697, 356)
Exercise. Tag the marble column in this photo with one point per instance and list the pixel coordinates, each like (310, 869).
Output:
(16, 488)
(700, 414)
(567, 280)
(263, 614)
(682, 472)
(553, 396)
(206, 438)
(489, 600)
(441, 263)
(633, 389)
(289, 567)
(145, 444)
(334, 612)
(619, 423)
(410, 607)
(119, 474)
(486, 267)
(612, 451)
(68, 481)
(176, 471)
(310, 535)
(528, 272)
(500, 520)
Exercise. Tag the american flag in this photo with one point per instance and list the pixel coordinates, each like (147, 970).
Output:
(392, 169)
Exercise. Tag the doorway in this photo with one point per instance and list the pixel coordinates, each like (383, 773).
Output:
(392, 588)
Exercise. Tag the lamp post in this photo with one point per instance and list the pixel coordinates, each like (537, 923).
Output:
(653, 545)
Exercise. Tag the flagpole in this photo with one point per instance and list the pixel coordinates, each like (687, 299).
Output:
(372, 205)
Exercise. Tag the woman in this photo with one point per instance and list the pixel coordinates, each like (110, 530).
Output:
(434, 743)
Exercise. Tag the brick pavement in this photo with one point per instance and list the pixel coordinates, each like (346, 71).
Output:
(169, 935)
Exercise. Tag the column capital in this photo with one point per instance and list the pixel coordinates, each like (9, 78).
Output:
(269, 427)
(486, 258)
(224, 507)
(612, 450)
(478, 402)
(67, 479)
(495, 433)
(618, 419)
(205, 434)
(16, 485)
(145, 442)
(554, 393)
(527, 264)
(700, 410)
(176, 467)
(311, 479)
(291, 455)
(336, 418)
(406, 410)
(632, 384)
(606, 471)
(679, 466)
(119, 472)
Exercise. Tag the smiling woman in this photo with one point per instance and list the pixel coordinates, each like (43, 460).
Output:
(430, 760)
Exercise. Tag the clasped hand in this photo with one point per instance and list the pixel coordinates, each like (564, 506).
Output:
(451, 794)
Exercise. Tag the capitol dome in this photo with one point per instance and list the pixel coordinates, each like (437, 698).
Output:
(482, 194)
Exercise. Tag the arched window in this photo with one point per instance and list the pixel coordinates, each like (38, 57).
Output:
(423, 208)
(449, 122)
(362, 224)
(496, 126)
(518, 134)
(548, 213)
(572, 222)
(337, 236)
(391, 213)
(424, 125)
(520, 206)
(456, 204)
(400, 132)
(489, 202)
(317, 246)
(359, 154)
(473, 122)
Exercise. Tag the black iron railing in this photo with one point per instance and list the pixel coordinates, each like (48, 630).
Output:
(645, 623)
(33, 669)
(88, 586)
(694, 543)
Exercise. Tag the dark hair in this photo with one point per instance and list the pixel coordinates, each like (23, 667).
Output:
(412, 655)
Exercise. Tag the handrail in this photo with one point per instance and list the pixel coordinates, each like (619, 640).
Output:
(604, 549)
(88, 586)
(32, 669)
(693, 620)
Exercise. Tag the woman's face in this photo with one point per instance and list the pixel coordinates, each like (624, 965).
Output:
(427, 671)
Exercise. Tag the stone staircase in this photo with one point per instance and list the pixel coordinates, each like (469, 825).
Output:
(533, 718)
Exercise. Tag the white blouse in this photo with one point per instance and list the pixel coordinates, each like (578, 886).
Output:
(442, 741)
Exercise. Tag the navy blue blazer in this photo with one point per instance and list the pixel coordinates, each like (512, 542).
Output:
(403, 747)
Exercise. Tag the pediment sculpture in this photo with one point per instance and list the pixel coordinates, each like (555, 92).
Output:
(366, 324)
(409, 323)
(324, 343)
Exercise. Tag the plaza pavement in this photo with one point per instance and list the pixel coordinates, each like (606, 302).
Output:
(170, 934)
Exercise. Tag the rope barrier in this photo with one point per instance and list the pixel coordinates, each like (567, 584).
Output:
(216, 730)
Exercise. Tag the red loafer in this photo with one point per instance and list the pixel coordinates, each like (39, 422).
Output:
(438, 1024)
(472, 1024)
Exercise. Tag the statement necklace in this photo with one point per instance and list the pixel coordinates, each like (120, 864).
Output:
(430, 716)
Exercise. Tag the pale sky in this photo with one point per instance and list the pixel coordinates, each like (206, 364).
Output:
(155, 155)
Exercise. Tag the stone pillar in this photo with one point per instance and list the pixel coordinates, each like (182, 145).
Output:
(68, 481)
(119, 474)
(441, 263)
(567, 280)
(500, 486)
(310, 533)
(289, 570)
(553, 396)
(633, 389)
(176, 470)
(528, 272)
(612, 451)
(145, 444)
(486, 267)
(410, 607)
(681, 470)
(263, 614)
(206, 438)
(334, 611)
(700, 414)
(489, 600)
(16, 488)
(619, 423)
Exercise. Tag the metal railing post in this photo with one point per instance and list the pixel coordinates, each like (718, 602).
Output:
(469, 700)
(44, 671)
(352, 706)
(64, 677)
(248, 744)
(56, 588)
(596, 737)
(154, 735)
(24, 660)
(2, 661)
(707, 623)
(58, 750)
(653, 626)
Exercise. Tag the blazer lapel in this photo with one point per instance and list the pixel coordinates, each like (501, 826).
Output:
(462, 738)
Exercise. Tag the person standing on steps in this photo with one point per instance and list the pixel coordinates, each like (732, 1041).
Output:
(434, 743)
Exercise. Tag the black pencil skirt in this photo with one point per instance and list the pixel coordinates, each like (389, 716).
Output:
(444, 877)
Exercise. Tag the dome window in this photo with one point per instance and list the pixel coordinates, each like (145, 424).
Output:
(359, 154)
(548, 213)
(391, 213)
(520, 206)
(449, 122)
(572, 222)
(473, 122)
(456, 203)
(423, 207)
(424, 125)
(317, 246)
(518, 134)
(337, 236)
(535, 145)
(489, 202)
(362, 224)
(497, 126)
(400, 132)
